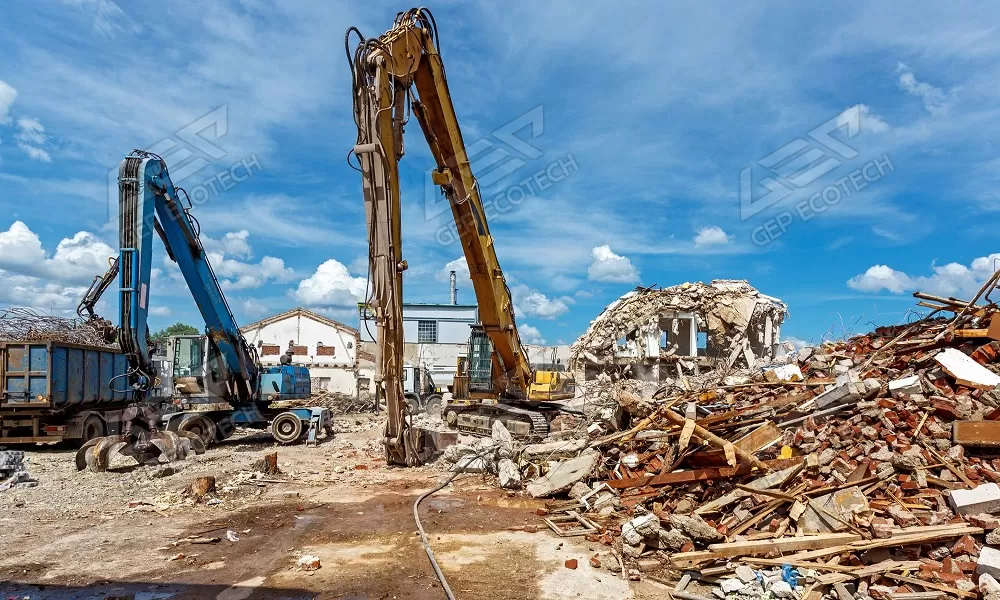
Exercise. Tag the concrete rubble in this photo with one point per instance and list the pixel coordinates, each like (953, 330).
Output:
(13, 472)
(836, 471)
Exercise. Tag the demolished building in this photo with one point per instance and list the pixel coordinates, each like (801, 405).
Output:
(689, 328)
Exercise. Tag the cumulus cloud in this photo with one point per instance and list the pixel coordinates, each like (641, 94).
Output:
(7, 96)
(711, 236)
(460, 266)
(533, 303)
(530, 334)
(76, 260)
(609, 267)
(935, 100)
(952, 279)
(331, 286)
(231, 258)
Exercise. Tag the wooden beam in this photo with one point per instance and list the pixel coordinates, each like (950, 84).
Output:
(789, 544)
(697, 475)
(930, 585)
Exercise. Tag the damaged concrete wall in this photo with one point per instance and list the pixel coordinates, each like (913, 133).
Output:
(726, 320)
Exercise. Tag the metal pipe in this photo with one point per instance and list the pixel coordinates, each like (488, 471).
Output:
(453, 280)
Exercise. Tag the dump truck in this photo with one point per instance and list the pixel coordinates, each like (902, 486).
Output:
(54, 392)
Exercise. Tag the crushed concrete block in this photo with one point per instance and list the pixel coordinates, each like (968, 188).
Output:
(641, 527)
(989, 562)
(503, 440)
(672, 539)
(907, 462)
(782, 589)
(558, 449)
(509, 474)
(906, 385)
(746, 574)
(696, 528)
(563, 475)
(849, 388)
(983, 499)
(966, 370)
(730, 586)
(471, 464)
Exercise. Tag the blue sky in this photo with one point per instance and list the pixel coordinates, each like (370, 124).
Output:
(622, 143)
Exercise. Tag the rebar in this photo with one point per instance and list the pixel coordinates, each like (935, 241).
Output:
(29, 325)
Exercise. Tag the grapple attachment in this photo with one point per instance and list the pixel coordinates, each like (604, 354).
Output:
(100, 454)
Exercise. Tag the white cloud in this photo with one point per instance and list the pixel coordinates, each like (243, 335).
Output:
(935, 100)
(331, 286)
(230, 258)
(7, 96)
(76, 260)
(533, 303)
(235, 244)
(949, 280)
(160, 311)
(459, 265)
(30, 137)
(870, 121)
(711, 236)
(22, 290)
(609, 267)
(530, 334)
(254, 309)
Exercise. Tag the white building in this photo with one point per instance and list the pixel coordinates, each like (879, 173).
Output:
(427, 323)
(329, 348)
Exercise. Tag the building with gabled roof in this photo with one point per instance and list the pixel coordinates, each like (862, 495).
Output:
(328, 347)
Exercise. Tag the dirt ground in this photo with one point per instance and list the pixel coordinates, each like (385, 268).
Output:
(123, 534)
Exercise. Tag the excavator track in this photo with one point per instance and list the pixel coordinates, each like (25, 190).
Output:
(479, 419)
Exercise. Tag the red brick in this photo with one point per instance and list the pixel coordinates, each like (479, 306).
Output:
(571, 563)
(687, 547)
(595, 562)
(965, 545)
(948, 565)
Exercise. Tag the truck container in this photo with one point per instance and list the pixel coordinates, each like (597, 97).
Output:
(55, 391)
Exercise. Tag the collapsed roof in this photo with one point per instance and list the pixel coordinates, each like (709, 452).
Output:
(739, 325)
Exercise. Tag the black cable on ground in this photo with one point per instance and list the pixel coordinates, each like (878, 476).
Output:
(423, 534)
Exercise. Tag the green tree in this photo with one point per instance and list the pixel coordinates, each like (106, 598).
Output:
(175, 329)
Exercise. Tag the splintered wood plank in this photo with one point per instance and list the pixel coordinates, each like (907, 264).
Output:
(789, 544)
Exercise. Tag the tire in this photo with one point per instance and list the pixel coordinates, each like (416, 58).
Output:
(93, 428)
(433, 405)
(199, 425)
(286, 428)
(412, 404)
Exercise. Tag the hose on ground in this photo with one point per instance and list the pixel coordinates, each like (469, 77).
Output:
(423, 534)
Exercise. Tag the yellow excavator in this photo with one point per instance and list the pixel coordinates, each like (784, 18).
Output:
(395, 75)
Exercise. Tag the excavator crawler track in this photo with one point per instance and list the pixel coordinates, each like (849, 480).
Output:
(525, 424)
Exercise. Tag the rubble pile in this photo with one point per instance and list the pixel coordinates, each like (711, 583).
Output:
(13, 473)
(862, 468)
(741, 324)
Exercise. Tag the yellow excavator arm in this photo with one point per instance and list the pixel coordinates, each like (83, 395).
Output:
(400, 70)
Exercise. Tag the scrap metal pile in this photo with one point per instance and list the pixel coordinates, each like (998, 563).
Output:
(863, 468)
(28, 325)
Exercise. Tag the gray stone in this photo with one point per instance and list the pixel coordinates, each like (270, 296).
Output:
(696, 528)
(579, 490)
(746, 574)
(907, 462)
(730, 586)
(993, 537)
(641, 528)
(510, 475)
(563, 475)
(782, 589)
(672, 539)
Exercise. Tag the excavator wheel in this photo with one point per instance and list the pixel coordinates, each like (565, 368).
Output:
(286, 428)
(200, 426)
(433, 406)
